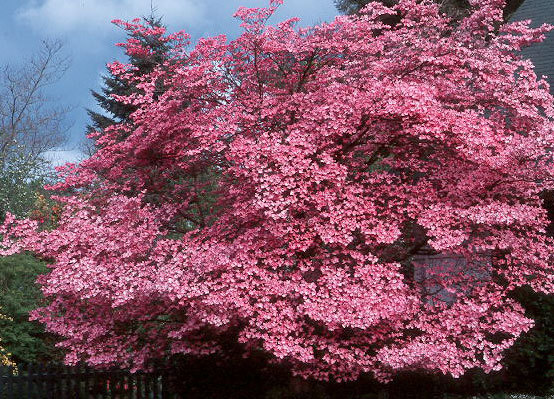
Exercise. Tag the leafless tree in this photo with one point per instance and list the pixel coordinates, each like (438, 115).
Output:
(30, 122)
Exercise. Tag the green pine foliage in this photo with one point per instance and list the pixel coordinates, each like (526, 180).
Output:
(114, 111)
(19, 294)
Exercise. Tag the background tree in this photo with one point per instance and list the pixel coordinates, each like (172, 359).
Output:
(29, 126)
(157, 51)
(22, 181)
(330, 148)
(19, 294)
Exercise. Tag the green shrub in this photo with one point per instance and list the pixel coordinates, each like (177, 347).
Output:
(19, 294)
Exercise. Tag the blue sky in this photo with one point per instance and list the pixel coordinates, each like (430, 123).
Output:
(89, 38)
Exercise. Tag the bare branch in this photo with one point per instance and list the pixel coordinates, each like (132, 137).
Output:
(29, 123)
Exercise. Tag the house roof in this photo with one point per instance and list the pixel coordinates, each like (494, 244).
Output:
(542, 54)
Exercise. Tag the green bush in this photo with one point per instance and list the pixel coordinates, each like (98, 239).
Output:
(19, 294)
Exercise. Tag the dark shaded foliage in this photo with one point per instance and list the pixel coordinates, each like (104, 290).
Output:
(19, 294)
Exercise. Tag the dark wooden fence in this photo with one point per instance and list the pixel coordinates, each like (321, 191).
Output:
(61, 382)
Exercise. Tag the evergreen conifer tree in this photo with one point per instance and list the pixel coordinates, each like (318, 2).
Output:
(115, 111)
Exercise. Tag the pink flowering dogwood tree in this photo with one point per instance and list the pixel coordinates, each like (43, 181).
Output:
(273, 190)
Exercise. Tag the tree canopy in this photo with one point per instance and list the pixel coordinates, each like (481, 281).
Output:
(273, 196)
(456, 9)
(157, 51)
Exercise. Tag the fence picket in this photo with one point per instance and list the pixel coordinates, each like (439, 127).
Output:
(147, 386)
(138, 377)
(10, 384)
(2, 374)
(43, 386)
(95, 384)
(19, 378)
(61, 380)
(155, 386)
(55, 382)
(86, 377)
(128, 378)
(165, 392)
(39, 385)
(61, 377)
(79, 382)
(71, 382)
(30, 371)
(55, 378)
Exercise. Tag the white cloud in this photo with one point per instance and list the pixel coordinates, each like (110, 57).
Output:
(311, 12)
(59, 157)
(66, 17)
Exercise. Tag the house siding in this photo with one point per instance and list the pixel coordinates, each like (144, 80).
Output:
(542, 54)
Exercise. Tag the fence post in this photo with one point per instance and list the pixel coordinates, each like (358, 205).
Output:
(131, 384)
(50, 384)
(39, 383)
(2, 378)
(110, 385)
(87, 382)
(72, 382)
(64, 383)
(165, 392)
(95, 384)
(82, 388)
(138, 377)
(30, 370)
(19, 381)
(156, 380)
(147, 385)
(75, 378)
(62, 373)
(10, 383)
(49, 388)
(124, 385)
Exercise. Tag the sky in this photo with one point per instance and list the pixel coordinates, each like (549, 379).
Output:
(89, 40)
